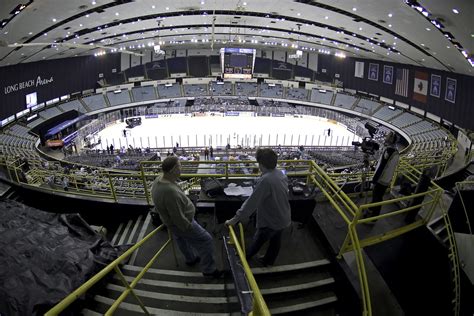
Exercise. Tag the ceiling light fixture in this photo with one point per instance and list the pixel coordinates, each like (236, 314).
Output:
(455, 11)
(390, 15)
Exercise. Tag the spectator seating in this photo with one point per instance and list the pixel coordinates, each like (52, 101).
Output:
(246, 89)
(386, 114)
(73, 105)
(50, 112)
(271, 91)
(146, 93)
(321, 97)
(169, 91)
(345, 100)
(297, 94)
(95, 102)
(222, 88)
(405, 119)
(119, 98)
(366, 106)
(195, 90)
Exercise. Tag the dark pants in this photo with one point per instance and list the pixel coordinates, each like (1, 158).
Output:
(377, 196)
(261, 236)
(196, 241)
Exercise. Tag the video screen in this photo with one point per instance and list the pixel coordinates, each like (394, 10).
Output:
(237, 62)
(31, 100)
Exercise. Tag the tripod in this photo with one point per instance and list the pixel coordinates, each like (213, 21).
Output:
(365, 185)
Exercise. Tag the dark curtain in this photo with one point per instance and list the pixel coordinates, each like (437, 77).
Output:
(68, 75)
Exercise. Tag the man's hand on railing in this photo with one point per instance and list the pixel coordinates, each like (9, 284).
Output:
(231, 221)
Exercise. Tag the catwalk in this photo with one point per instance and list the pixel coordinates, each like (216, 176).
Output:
(245, 130)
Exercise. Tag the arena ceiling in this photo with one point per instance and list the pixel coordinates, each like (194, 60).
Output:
(436, 34)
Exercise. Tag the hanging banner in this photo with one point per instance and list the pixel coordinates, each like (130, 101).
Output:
(450, 95)
(388, 74)
(435, 89)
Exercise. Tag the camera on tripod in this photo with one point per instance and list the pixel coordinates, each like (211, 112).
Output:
(368, 145)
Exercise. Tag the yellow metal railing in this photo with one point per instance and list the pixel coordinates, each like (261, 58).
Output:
(129, 287)
(459, 186)
(259, 306)
(139, 185)
(454, 260)
(347, 210)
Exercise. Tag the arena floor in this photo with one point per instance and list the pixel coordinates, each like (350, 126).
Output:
(247, 131)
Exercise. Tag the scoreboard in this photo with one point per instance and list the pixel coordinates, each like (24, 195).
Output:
(237, 63)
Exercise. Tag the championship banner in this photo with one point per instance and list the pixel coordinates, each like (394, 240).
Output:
(388, 74)
(450, 95)
(374, 72)
(435, 89)
(420, 87)
(359, 69)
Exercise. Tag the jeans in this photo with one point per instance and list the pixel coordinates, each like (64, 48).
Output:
(261, 236)
(196, 241)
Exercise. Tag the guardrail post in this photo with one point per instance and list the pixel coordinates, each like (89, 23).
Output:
(145, 187)
(125, 283)
(112, 187)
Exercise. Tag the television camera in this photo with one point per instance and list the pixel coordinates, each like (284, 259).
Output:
(368, 145)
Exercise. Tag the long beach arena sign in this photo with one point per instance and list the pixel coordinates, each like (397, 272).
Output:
(27, 84)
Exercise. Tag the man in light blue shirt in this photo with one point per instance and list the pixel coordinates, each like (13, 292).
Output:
(270, 200)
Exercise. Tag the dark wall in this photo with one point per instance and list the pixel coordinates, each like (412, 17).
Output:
(461, 112)
(81, 73)
(68, 75)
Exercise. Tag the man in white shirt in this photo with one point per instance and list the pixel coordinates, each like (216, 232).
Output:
(384, 172)
(270, 199)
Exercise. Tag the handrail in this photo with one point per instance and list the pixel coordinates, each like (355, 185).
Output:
(352, 233)
(458, 188)
(260, 308)
(68, 300)
(453, 257)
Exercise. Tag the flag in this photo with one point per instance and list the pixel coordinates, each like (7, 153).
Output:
(420, 87)
(359, 69)
(401, 83)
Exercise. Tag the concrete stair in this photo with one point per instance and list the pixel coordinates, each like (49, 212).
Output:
(305, 288)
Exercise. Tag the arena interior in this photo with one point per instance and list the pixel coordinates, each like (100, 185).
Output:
(96, 94)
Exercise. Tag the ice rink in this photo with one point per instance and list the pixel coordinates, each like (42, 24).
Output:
(245, 130)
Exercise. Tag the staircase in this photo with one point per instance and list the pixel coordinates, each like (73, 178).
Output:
(298, 289)
(169, 292)
(305, 288)
(438, 228)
